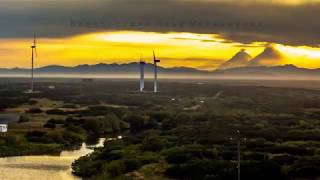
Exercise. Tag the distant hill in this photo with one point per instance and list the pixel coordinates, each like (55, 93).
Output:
(284, 71)
(240, 59)
(101, 68)
(269, 57)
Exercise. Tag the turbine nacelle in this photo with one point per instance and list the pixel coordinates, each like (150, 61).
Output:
(155, 60)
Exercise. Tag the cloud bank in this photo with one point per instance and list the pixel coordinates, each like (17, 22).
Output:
(245, 21)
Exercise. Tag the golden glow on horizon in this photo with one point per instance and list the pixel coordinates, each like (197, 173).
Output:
(203, 51)
(302, 51)
(285, 2)
(293, 2)
(301, 56)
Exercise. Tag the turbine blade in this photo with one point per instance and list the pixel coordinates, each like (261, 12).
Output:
(35, 50)
(34, 39)
(154, 56)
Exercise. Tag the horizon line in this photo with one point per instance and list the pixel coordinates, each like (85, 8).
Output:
(186, 67)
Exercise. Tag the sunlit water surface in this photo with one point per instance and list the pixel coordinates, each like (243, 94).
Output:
(43, 167)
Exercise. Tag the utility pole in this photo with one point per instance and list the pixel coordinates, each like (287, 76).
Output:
(238, 150)
(238, 139)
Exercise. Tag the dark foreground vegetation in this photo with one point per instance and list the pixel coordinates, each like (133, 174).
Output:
(183, 132)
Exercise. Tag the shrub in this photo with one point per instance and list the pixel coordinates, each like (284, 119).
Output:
(56, 111)
(131, 164)
(13, 140)
(182, 154)
(308, 168)
(148, 157)
(49, 125)
(72, 137)
(201, 169)
(168, 124)
(137, 122)
(114, 168)
(72, 121)
(56, 121)
(94, 126)
(154, 143)
(34, 111)
(23, 119)
(85, 167)
(55, 137)
(35, 136)
(262, 170)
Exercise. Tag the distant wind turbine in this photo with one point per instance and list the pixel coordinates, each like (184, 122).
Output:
(142, 64)
(33, 55)
(155, 61)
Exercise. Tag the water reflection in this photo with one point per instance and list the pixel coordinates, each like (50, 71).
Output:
(44, 167)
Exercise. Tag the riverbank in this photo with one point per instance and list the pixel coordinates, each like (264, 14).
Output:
(45, 167)
(39, 142)
(46, 126)
(31, 149)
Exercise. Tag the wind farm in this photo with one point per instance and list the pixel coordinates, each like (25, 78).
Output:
(223, 90)
(142, 74)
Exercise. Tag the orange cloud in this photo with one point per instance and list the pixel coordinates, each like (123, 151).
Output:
(203, 51)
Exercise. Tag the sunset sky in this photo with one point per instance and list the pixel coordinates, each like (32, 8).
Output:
(200, 34)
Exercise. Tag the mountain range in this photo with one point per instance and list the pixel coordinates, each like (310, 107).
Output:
(133, 69)
(100, 68)
(241, 65)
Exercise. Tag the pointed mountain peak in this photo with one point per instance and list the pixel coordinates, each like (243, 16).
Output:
(242, 55)
(269, 57)
(271, 49)
(240, 59)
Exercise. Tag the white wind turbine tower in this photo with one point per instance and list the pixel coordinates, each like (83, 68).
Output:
(33, 54)
(155, 61)
(142, 64)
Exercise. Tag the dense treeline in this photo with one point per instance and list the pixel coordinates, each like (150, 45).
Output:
(181, 133)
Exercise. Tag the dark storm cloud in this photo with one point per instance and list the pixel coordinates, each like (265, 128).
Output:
(238, 21)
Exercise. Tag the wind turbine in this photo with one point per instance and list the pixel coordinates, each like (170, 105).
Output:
(155, 61)
(33, 53)
(142, 64)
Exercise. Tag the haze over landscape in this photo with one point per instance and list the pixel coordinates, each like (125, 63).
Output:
(206, 35)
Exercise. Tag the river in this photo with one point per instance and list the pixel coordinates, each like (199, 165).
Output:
(43, 167)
